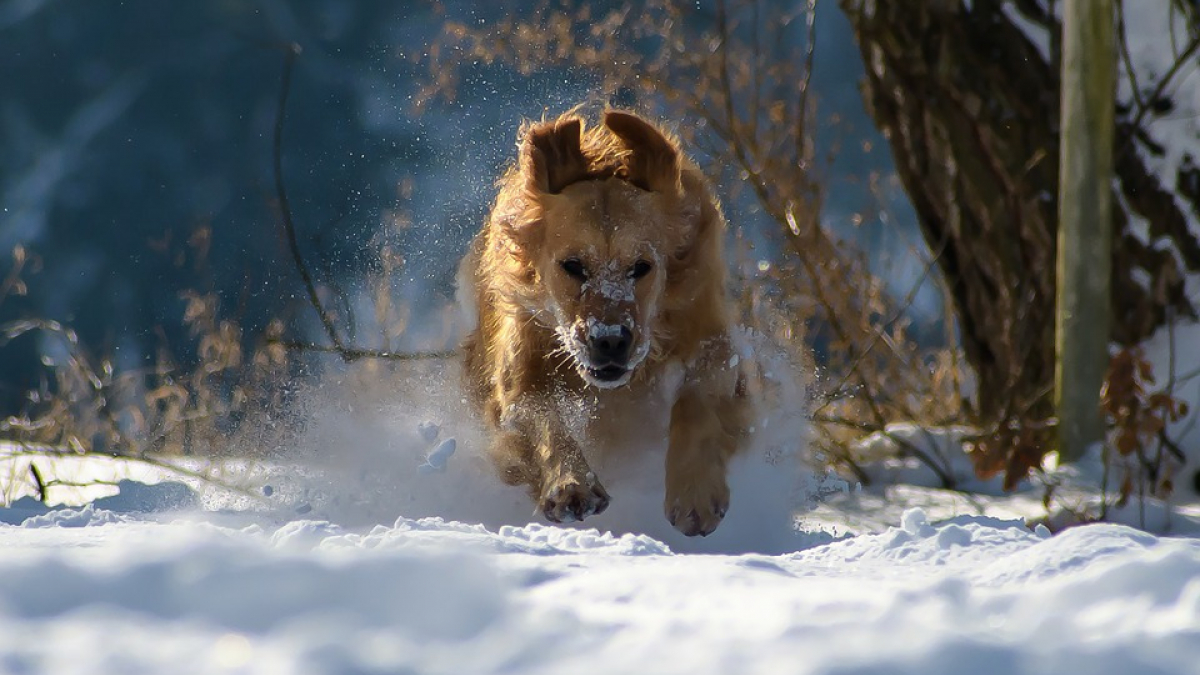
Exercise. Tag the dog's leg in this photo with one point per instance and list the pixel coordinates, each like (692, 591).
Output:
(512, 455)
(535, 450)
(569, 489)
(532, 445)
(710, 423)
(698, 452)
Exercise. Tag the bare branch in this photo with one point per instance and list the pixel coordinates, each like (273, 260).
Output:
(900, 311)
(285, 210)
(356, 353)
(810, 50)
(1147, 104)
(347, 352)
(43, 495)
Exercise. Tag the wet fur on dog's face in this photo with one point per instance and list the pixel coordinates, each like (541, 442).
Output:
(601, 265)
(598, 242)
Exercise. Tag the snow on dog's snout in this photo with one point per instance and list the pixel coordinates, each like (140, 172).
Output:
(609, 336)
(598, 329)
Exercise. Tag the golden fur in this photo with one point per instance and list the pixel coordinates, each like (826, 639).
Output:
(599, 278)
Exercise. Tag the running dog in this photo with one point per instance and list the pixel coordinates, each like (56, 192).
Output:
(599, 278)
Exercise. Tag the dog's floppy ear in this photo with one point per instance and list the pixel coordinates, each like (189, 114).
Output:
(653, 161)
(551, 158)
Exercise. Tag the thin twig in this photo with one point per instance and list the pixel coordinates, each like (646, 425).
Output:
(844, 422)
(1123, 43)
(1148, 103)
(43, 495)
(355, 353)
(810, 50)
(900, 311)
(285, 211)
(757, 66)
(723, 65)
(942, 473)
(730, 137)
(347, 352)
(36, 450)
(13, 279)
(1171, 446)
(836, 449)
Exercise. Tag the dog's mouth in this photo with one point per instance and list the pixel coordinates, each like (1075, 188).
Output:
(604, 373)
(610, 373)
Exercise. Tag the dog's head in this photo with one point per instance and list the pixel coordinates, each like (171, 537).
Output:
(600, 221)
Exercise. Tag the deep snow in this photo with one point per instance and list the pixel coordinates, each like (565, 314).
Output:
(94, 591)
(169, 578)
(383, 544)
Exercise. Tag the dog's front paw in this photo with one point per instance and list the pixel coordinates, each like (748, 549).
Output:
(573, 499)
(697, 511)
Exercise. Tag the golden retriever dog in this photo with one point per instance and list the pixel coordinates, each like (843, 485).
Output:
(598, 285)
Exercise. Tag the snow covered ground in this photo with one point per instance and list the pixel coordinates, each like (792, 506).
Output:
(300, 578)
(383, 544)
(96, 591)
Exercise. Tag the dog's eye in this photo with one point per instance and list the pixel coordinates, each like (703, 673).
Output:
(574, 268)
(640, 269)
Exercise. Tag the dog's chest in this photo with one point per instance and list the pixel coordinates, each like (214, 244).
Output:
(611, 423)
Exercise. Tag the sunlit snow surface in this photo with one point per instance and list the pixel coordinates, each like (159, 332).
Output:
(164, 579)
(93, 591)
(380, 547)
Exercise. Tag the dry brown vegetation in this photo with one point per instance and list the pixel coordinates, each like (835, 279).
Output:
(86, 405)
(974, 135)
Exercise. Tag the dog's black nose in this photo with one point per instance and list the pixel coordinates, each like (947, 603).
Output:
(611, 347)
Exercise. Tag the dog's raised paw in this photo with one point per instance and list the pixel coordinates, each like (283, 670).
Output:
(698, 520)
(573, 501)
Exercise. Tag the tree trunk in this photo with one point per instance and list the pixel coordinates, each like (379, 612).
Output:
(970, 107)
(1084, 222)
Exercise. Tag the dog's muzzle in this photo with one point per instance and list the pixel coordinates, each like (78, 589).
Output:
(608, 353)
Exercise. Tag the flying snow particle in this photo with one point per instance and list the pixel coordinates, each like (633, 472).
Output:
(428, 430)
(435, 461)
